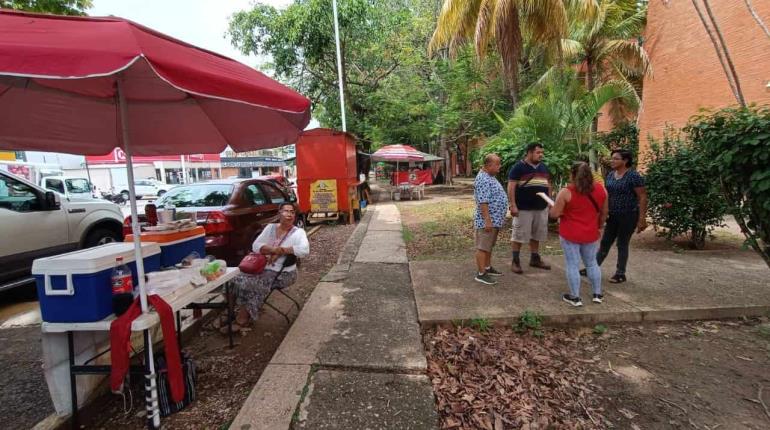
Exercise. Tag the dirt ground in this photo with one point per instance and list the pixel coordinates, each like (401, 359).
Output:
(696, 375)
(431, 228)
(226, 376)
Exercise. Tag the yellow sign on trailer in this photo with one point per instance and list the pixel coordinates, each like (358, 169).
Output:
(7, 156)
(323, 195)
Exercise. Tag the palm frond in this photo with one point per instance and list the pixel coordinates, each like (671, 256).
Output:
(629, 56)
(485, 26)
(456, 24)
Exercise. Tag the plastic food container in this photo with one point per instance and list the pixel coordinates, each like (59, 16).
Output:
(175, 245)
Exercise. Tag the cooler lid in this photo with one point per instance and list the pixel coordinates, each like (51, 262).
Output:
(91, 260)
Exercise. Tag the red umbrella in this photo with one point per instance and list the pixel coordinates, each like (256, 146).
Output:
(59, 90)
(88, 85)
(398, 153)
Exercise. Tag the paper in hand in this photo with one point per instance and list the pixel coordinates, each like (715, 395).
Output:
(546, 198)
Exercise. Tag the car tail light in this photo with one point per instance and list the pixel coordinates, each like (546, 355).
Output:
(217, 223)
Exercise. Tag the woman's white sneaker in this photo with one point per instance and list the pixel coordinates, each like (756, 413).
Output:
(574, 301)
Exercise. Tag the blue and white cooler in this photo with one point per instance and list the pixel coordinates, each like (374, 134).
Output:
(76, 287)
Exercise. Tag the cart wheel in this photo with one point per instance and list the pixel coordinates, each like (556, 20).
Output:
(301, 221)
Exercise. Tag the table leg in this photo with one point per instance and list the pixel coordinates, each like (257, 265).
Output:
(73, 380)
(230, 313)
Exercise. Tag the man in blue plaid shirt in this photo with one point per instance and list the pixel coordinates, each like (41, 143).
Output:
(491, 207)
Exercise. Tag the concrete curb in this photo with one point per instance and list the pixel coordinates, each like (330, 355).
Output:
(625, 317)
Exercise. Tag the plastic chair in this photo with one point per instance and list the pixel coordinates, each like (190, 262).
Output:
(419, 190)
(291, 260)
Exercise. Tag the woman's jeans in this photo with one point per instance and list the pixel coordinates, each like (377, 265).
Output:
(620, 227)
(573, 253)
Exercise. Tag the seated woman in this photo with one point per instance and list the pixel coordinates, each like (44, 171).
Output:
(276, 242)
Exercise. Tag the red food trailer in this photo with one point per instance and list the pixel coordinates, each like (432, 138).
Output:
(329, 185)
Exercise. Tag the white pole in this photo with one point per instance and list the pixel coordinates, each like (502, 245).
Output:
(183, 176)
(122, 107)
(339, 65)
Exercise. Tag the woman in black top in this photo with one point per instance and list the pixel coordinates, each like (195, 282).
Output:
(628, 209)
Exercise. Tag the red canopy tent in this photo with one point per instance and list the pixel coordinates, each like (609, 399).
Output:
(86, 85)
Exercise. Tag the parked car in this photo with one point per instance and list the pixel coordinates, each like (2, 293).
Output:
(145, 187)
(36, 223)
(283, 183)
(233, 212)
(71, 188)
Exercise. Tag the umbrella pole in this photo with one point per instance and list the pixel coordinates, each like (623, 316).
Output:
(151, 392)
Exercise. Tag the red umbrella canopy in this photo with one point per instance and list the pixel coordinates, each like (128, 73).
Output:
(398, 153)
(58, 91)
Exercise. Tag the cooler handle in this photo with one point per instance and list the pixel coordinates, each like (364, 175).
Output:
(69, 291)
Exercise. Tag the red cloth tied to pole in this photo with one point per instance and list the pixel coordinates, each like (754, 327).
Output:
(120, 344)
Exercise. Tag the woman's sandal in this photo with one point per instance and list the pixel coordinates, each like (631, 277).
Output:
(618, 279)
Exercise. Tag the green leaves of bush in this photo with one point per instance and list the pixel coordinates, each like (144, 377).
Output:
(683, 196)
(737, 143)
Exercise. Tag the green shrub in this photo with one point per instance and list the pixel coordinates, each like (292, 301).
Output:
(683, 197)
(529, 320)
(737, 141)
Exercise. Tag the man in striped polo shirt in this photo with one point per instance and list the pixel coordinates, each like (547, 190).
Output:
(530, 212)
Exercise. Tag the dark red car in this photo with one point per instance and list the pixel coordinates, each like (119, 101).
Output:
(233, 212)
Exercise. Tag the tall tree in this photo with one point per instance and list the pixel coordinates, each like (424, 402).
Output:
(300, 40)
(721, 50)
(506, 22)
(59, 7)
(756, 17)
(608, 43)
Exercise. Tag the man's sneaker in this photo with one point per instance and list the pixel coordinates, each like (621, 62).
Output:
(493, 272)
(598, 298)
(516, 267)
(485, 279)
(574, 301)
(540, 264)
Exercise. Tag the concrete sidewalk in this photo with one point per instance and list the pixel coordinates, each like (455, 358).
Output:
(662, 285)
(354, 357)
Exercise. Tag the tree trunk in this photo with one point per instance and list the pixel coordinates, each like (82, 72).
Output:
(718, 50)
(756, 17)
(590, 85)
(509, 43)
(729, 59)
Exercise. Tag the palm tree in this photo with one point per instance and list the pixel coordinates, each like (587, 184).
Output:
(505, 21)
(607, 45)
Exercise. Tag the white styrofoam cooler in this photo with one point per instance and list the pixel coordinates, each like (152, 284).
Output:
(75, 287)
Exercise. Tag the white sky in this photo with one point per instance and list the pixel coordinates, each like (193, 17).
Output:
(200, 22)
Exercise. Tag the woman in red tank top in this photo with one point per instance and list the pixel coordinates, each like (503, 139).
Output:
(582, 209)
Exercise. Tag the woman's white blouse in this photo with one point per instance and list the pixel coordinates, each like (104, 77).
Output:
(297, 240)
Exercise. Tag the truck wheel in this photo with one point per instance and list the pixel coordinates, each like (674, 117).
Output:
(161, 192)
(125, 195)
(100, 236)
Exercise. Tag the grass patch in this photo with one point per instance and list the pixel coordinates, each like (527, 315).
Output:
(600, 329)
(530, 321)
(407, 234)
(481, 324)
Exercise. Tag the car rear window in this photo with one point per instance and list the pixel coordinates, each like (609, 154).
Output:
(197, 196)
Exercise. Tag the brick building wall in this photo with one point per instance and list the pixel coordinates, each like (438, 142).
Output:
(687, 75)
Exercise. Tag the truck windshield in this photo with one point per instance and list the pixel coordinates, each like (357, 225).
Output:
(197, 196)
(78, 186)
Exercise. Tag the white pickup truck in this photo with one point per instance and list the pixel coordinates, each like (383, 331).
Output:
(35, 223)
